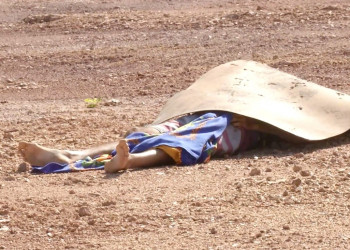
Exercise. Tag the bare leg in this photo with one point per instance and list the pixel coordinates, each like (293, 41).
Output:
(38, 155)
(125, 160)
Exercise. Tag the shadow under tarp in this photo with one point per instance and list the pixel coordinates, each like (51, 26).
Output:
(255, 90)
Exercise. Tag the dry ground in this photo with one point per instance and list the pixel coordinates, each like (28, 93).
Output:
(54, 54)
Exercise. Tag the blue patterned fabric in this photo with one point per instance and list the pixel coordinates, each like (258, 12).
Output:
(196, 142)
(197, 139)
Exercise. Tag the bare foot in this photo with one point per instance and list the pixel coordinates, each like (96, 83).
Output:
(39, 156)
(122, 160)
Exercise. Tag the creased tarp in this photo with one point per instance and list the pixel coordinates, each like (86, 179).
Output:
(256, 90)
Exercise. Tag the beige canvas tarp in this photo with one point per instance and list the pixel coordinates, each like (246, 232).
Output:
(256, 90)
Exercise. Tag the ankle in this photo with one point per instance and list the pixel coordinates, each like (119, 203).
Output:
(131, 162)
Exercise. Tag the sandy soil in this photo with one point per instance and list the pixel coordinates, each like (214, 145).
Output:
(54, 54)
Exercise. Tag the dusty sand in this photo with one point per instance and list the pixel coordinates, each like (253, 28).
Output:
(54, 54)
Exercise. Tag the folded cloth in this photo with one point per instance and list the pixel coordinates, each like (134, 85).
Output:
(195, 142)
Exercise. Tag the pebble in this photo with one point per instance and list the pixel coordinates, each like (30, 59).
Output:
(268, 170)
(255, 171)
(4, 228)
(10, 178)
(285, 193)
(8, 136)
(4, 211)
(74, 180)
(238, 185)
(92, 222)
(296, 168)
(296, 182)
(213, 230)
(286, 227)
(305, 173)
(308, 182)
(299, 155)
(112, 102)
(23, 167)
(108, 203)
(274, 198)
(258, 235)
(84, 211)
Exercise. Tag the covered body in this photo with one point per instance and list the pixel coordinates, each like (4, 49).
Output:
(255, 90)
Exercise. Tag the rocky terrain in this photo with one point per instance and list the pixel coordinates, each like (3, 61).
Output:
(134, 55)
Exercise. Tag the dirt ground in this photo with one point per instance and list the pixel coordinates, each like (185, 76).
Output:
(56, 53)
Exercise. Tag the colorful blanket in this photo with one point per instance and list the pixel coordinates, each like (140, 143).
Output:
(192, 143)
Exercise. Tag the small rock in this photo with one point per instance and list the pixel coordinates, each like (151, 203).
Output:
(275, 198)
(255, 171)
(32, 19)
(108, 203)
(4, 228)
(268, 170)
(213, 230)
(296, 168)
(71, 192)
(238, 185)
(92, 222)
(8, 136)
(285, 193)
(308, 182)
(74, 180)
(23, 167)
(4, 212)
(286, 227)
(49, 235)
(67, 183)
(296, 182)
(10, 178)
(112, 102)
(299, 155)
(84, 211)
(305, 173)
(341, 170)
(322, 190)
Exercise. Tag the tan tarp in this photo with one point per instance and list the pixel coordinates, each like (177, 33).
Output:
(256, 90)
